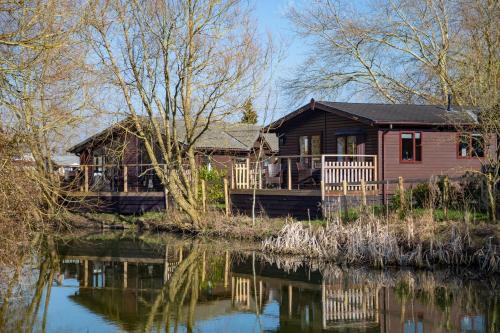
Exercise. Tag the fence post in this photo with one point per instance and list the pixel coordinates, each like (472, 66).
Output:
(203, 195)
(401, 192)
(363, 192)
(248, 173)
(446, 195)
(289, 162)
(86, 176)
(125, 178)
(344, 190)
(226, 197)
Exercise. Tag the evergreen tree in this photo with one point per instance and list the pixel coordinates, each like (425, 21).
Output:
(249, 114)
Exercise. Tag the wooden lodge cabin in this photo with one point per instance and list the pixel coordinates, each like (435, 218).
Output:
(323, 144)
(119, 173)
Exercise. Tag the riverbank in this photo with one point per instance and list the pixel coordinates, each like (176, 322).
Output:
(216, 225)
(415, 242)
(419, 240)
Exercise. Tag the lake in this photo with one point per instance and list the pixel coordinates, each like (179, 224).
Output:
(125, 282)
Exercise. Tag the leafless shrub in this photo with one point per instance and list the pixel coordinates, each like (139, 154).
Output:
(414, 242)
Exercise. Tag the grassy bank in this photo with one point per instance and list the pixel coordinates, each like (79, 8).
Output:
(418, 241)
(421, 239)
(216, 224)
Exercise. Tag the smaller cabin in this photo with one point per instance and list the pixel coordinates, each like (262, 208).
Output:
(117, 161)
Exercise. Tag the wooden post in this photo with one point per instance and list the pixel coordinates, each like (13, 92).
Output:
(346, 208)
(125, 274)
(86, 171)
(446, 192)
(363, 192)
(401, 188)
(85, 273)
(226, 197)
(226, 270)
(289, 167)
(203, 195)
(125, 179)
(248, 174)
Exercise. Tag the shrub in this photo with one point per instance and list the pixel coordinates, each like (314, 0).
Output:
(215, 183)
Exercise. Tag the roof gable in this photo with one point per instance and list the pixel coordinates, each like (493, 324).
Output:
(380, 114)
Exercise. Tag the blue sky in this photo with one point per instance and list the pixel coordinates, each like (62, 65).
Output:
(271, 18)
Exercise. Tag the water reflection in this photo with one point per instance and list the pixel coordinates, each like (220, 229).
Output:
(107, 284)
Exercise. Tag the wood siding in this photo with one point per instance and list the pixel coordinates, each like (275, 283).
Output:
(326, 124)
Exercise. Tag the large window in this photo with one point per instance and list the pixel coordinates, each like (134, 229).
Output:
(411, 147)
(470, 145)
(347, 145)
(310, 145)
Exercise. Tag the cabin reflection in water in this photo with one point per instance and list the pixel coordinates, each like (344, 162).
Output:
(243, 290)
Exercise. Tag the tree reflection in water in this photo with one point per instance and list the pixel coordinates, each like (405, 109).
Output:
(174, 285)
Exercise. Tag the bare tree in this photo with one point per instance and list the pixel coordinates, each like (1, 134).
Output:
(405, 51)
(41, 91)
(179, 66)
(400, 50)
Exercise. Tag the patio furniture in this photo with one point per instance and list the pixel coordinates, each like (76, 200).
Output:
(305, 174)
(273, 175)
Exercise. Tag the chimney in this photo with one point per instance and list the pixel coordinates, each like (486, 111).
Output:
(449, 103)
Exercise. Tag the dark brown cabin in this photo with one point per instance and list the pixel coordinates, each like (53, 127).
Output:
(325, 145)
(106, 153)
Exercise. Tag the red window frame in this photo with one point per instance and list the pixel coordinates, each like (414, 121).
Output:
(414, 161)
(470, 147)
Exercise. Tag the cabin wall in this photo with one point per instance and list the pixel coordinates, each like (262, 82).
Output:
(314, 122)
(439, 156)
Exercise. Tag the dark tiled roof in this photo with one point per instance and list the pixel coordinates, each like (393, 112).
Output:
(411, 114)
(218, 136)
(404, 113)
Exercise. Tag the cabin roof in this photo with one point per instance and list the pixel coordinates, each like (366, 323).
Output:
(382, 114)
(218, 136)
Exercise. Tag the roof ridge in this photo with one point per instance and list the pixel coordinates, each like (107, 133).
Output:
(436, 105)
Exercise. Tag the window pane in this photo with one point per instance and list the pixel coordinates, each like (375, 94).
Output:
(418, 147)
(341, 145)
(351, 145)
(463, 146)
(316, 145)
(407, 146)
(304, 145)
(477, 145)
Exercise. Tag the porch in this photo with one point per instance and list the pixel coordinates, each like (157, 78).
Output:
(306, 175)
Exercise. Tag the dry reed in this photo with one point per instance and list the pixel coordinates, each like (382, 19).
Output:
(419, 243)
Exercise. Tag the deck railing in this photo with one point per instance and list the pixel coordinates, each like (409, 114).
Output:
(112, 178)
(327, 172)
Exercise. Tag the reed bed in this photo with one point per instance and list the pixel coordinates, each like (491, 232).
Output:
(410, 242)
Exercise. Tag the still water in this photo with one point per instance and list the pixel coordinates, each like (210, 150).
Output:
(145, 283)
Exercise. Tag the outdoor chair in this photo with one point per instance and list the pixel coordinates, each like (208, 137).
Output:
(273, 175)
(305, 174)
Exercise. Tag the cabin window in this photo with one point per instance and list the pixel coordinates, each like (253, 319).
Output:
(411, 146)
(470, 145)
(347, 145)
(304, 145)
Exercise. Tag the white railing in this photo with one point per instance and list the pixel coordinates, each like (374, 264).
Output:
(329, 171)
(246, 175)
(349, 306)
(337, 169)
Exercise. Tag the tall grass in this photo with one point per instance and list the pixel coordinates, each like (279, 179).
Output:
(412, 242)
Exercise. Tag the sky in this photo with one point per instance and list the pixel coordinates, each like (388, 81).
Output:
(271, 18)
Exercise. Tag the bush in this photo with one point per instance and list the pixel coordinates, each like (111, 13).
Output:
(214, 179)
